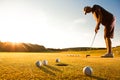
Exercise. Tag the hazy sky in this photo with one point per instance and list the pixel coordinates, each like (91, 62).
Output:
(54, 23)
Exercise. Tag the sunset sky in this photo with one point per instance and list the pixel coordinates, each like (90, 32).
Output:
(54, 23)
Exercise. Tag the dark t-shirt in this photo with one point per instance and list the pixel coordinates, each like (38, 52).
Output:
(107, 17)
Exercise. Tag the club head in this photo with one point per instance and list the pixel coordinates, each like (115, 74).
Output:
(87, 55)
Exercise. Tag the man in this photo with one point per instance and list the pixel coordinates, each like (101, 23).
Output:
(107, 19)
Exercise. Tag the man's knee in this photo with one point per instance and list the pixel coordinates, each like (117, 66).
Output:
(105, 37)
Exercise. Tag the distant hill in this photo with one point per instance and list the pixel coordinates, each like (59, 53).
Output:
(117, 50)
(20, 47)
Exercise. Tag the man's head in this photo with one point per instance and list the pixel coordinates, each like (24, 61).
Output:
(87, 9)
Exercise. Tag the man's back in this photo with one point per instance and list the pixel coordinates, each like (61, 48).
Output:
(107, 17)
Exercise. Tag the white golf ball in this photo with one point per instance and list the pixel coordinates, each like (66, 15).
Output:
(38, 63)
(87, 71)
(45, 62)
(57, 60)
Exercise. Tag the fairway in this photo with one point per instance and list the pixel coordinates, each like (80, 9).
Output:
(22, 66)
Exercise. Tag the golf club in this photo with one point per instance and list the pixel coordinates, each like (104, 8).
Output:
(91, 45)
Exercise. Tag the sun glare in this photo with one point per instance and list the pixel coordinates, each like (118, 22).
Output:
(21, 23)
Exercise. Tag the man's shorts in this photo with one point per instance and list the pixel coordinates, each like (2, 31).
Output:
(109, 29)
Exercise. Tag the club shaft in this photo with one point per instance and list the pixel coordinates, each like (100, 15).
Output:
(93, 40)
(91, 45)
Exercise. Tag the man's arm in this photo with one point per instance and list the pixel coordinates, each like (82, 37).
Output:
(98, 17)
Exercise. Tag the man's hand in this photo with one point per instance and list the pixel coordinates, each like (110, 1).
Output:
(96, 29)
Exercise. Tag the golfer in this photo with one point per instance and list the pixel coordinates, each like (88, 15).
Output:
(107, 19)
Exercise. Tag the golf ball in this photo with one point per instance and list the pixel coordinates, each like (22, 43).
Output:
(45, 62)
(57, 60)
(87, 71)
(38, 63)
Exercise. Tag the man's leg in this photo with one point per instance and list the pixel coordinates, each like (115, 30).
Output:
(108, 45)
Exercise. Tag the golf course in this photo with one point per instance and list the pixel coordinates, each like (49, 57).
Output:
(59, 40)
(22, 65)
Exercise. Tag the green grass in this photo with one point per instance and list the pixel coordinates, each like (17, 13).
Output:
(22, 66)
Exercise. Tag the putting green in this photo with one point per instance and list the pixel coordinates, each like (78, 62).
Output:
(22, 66)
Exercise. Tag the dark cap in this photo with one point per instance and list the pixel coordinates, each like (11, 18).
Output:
(87, 9)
